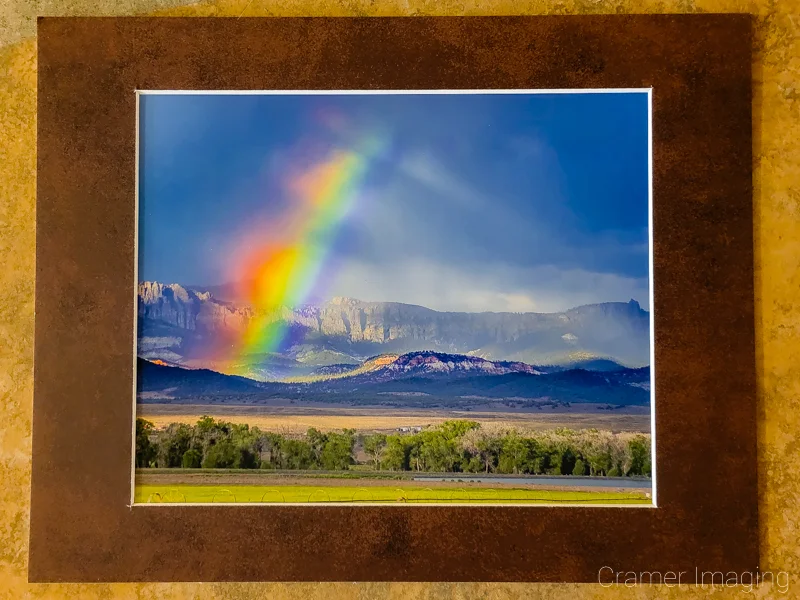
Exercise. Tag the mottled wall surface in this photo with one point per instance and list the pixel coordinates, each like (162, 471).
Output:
(776, 73)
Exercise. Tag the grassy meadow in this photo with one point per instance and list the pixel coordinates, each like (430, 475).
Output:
(388, 494)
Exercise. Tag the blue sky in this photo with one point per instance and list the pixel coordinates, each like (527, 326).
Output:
(518, 202)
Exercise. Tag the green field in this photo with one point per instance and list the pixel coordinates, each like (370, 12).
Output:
(382, 494)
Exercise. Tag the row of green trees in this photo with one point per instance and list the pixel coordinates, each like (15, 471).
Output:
(453, 446)
(212, 444)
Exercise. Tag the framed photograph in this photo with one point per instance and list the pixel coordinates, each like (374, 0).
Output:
(440, 299)
(411, 297)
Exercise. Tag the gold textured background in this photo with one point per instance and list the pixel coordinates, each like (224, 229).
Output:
(776, 111)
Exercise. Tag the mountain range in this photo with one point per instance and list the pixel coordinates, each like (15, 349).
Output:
(187, 326)
(418, 379)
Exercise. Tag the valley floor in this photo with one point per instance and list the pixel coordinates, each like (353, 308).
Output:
(155, 486)
(291, 419)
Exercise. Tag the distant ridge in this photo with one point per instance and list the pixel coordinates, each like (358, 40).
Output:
(421, 379)
(182, 325)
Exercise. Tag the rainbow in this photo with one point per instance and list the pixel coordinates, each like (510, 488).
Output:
(282, 272)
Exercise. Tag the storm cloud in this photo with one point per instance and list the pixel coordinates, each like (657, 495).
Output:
(525, 202)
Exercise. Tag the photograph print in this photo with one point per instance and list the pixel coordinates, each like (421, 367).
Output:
(395, 298)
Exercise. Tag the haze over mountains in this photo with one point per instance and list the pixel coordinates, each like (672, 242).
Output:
(194, 328)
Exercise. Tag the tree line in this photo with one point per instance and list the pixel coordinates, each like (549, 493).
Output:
(451, 447)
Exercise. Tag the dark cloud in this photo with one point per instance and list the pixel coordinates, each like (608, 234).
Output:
(481, 202)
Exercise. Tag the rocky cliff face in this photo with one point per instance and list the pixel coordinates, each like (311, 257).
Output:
(615, 330)
(191, 310)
